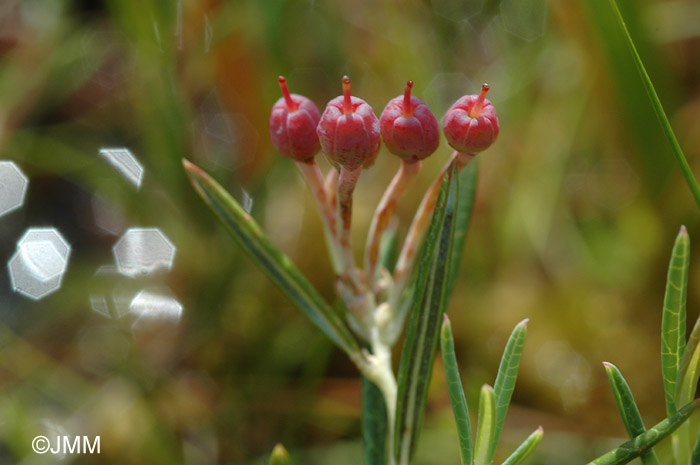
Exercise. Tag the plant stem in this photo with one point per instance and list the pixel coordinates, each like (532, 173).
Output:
(658, 107)
(387, 205)
(418, 226)
(346, 186)
(314, 180)
(382, 375)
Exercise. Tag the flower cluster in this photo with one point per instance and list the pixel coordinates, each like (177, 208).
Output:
(350, 134)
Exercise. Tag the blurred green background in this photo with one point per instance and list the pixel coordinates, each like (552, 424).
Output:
(578, 205)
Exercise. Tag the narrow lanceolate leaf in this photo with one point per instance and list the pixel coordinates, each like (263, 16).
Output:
(454, 387)
(645, 441)
(374, 427)
(526, 448)
(658, 108)
(468, 179)
(272, 261)
(486, 426)
(507, 375)
(673, 319)
(628, 409)
(430, 301)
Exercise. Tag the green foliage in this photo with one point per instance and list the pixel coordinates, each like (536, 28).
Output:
(457, 397)
(468, 179)
(280, 456)
(485, 426)
(645, 441)
(374, 424)
(674, 318)
(628, 409)
(658, 108)
(277, 265)
(507, 376)
(526, 448)
(430, 301)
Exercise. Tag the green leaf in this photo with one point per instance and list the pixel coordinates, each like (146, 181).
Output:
(374, 424)
(695, 458)
(507, 375)
(280, 456)
(429, 303)
(526, 448)
(272, 261)
(628, 409)
(486, 426)
(468, 179)
(658, 107)
(454, 387)
(645, 441)
(673, 320)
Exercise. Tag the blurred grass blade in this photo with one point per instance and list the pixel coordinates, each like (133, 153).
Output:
(454, 387)
(658, 108)
(628, 409)
(429, 304)
(526, 448)
(468, 179)
(271, 260)
(280, 456)
(632, 449)
(689, 369)
(486, 426)
(695, 458)
(507, 376)
(674, 317)
(374, 424)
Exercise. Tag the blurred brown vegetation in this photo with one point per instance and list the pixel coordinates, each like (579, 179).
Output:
(578, 205)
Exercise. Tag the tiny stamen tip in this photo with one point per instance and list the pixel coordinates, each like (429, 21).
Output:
(485, 87)
(281, 79)
(409, 84)
(346, 80)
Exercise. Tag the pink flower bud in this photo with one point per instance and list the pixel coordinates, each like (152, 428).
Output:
(293, 123)
(471, 124)
(349, 130)
(409, 128)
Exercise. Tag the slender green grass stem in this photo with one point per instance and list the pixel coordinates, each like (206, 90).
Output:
(658, 108)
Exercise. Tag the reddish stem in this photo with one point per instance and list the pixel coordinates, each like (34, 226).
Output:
(407, 108)
(291, 106)
(347, 103)
(479, 104)
(385, 210)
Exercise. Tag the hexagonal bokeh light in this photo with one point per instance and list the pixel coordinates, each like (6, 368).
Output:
(143, 251)
(13, 186)
(126, 163)
(38, 266)
(156, 305)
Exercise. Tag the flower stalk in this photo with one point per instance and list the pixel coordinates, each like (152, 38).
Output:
(407, 173)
